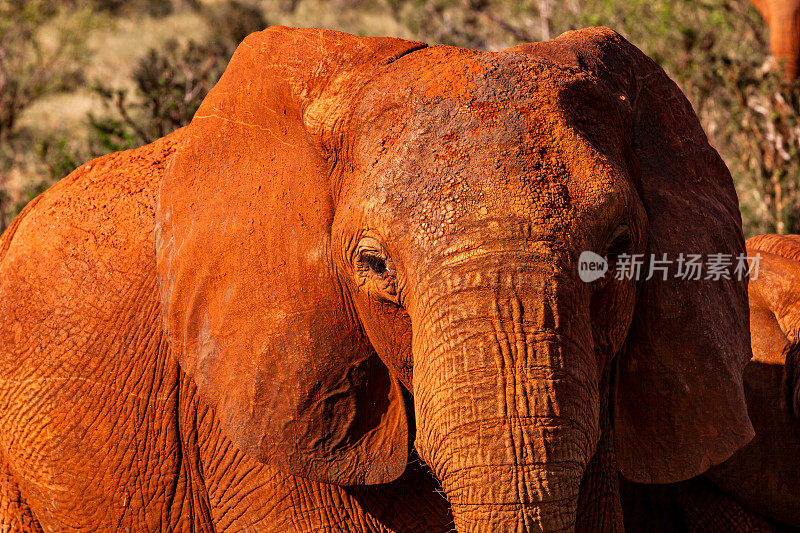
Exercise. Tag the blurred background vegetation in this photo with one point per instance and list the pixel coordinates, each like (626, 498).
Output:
(81, 78)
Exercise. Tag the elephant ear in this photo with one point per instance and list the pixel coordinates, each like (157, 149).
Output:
(679, 404)
(250, 298)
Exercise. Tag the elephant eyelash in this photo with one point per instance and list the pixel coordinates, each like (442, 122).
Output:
(382, 274)
(374, 262)
(616, 249)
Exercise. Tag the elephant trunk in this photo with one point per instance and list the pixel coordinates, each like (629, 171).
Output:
(507, 405)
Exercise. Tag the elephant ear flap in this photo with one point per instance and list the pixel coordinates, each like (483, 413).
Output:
(679, 405)
(251, 302)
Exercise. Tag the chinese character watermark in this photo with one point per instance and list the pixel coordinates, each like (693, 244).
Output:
(688, 267)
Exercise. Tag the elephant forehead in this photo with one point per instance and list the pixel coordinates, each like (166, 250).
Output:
(489, 129)
(448, 167)
(447, 73)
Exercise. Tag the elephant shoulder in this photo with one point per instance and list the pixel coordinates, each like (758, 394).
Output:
(79, 252)
(105, 204)
(91, 224)
(75, 248)
(83, 359)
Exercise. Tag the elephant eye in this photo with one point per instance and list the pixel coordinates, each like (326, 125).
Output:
(376, 269)
(621, 243)
(374, 262)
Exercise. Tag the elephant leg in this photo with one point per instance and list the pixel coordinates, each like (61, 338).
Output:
(15, 515)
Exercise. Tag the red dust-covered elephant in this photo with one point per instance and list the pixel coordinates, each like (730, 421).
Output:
(346, 298)
(765, 475)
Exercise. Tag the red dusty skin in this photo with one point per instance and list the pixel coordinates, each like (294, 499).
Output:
(220, 331)
(783, 18)
(506, 392)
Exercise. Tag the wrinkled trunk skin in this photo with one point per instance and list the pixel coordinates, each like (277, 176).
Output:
(599, 506)
(506, 399)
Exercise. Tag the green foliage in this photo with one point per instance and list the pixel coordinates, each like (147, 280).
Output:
(42, 52)
(59, 158)
(761, 142)
(170, 82)
(231, 22)
(34, 62)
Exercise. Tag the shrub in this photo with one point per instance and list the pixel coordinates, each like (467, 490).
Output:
(170, 82)
(34, 63)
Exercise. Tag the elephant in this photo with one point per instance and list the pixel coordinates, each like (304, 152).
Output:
(758, 488)
(783, 19)
(347, 297)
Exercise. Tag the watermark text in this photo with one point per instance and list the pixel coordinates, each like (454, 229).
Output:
(690, 267)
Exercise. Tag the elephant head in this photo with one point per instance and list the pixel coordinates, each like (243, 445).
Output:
(350, 217)
(775, 293)
(775, 309)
